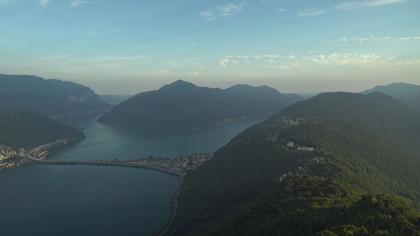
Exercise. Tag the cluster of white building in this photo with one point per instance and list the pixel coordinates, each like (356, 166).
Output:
(292, 145)
(291, 121)
(7, 152)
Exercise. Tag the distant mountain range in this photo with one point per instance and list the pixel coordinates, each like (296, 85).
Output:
(335, 164)
(183, 105)
(407, 93)
(27, 130)
(52, 98)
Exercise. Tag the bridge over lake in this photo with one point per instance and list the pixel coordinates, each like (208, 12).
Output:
(176, 167)
(131, 164)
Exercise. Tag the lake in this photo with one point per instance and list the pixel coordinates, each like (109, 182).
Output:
(87, 200)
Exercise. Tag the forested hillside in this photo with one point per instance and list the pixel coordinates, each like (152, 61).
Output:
(23, 129)
(52, 98)
(182, 105)
(337, 154)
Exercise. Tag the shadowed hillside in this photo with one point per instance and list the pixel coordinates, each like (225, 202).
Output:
(334, 154)
(52, 98)
(23, 129)
(183, 105)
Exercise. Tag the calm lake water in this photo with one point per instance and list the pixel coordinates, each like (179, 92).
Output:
(80, 200)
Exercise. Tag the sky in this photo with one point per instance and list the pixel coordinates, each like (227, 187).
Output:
(129, 46)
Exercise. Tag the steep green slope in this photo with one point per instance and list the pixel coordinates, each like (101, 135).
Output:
(406, 93)
(183, 105)
(306, 205)
(53, 98)
(22, 129)
(375, 112)
(339, 138)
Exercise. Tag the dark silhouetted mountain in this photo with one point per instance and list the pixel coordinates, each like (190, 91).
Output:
(322, 166)
(52, 98)
(23, 129)
(184, 105)
(406, 93)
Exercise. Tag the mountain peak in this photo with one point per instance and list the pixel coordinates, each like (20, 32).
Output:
(179, 85)
(183, 105)
(182, 82)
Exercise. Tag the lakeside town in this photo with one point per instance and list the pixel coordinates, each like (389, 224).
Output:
(178, 166)
(11, 158)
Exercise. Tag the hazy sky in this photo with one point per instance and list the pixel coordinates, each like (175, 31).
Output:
(127, 46)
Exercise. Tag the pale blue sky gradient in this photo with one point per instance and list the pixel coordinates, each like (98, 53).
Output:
(128, 46)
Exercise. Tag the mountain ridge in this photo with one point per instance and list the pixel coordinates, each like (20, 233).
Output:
(405, 92)
(52, 98)
(28, 130)
(183, 105)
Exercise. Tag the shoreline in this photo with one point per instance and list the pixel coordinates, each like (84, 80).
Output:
(174, 208)
(37, 153)
(176, 167)
(214, 125)
(174, 200)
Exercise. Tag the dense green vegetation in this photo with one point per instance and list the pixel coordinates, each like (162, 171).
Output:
(376, 113)
(319, 206)
(406, 93)
(353, 183)
(184, 105)
(23, 129)
(53, 98)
